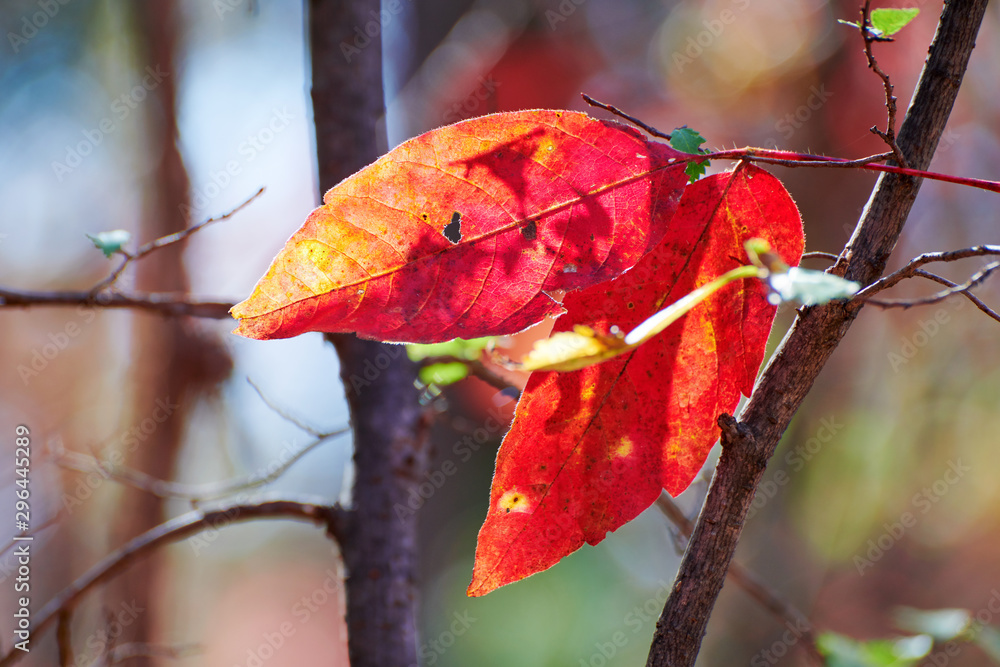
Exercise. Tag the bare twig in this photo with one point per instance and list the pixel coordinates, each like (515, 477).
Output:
(165, 241)
(889, 136)
(621, 114)
(755, 156)
(290, 419)
(98, 296)
(196, 493)
(926, 258)
(967, 294)
(164, 304)
(125, 652)
(953, 288)
(820, 255)
(166, 533)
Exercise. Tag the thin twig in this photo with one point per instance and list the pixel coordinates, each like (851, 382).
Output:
(907, 271)
(953, 288)
(782, 610)
(164, 304)
(821, 255)
(968, 295)
(835, 163)
(167, 533)
(289, 418)
(621, 114)
(126, 652)
(194, 493)
(165, 241)
(889, 136)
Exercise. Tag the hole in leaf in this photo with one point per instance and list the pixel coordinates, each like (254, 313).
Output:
(530, 231)
(453, 230)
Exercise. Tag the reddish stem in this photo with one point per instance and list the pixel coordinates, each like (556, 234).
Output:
(791, 159)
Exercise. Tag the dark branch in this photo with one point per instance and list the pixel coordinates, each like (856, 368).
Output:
(166, 533)
(621, 114)
(869, 37)
(165, 304)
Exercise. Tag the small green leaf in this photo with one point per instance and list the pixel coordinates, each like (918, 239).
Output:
(442, 374)
(695, 170)
(841, 651)
(686, 140)
(458, 348)
(808, 287)
(110, 242)
(890, 21)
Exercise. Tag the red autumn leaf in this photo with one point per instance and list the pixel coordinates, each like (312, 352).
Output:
(591, 449)
(462, 231)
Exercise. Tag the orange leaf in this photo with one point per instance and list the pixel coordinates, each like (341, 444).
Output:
(462, 231)
(591, 449)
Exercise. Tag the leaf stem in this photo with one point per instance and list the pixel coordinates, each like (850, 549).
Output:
(664, 318)
(790, 159)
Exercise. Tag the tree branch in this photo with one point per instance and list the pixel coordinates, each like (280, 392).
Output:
(165, 304)
(166, 533)
(817, 331)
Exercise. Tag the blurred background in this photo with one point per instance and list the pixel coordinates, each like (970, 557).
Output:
(882, 494)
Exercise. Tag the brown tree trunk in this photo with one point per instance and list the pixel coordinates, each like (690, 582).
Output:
(379, 549)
